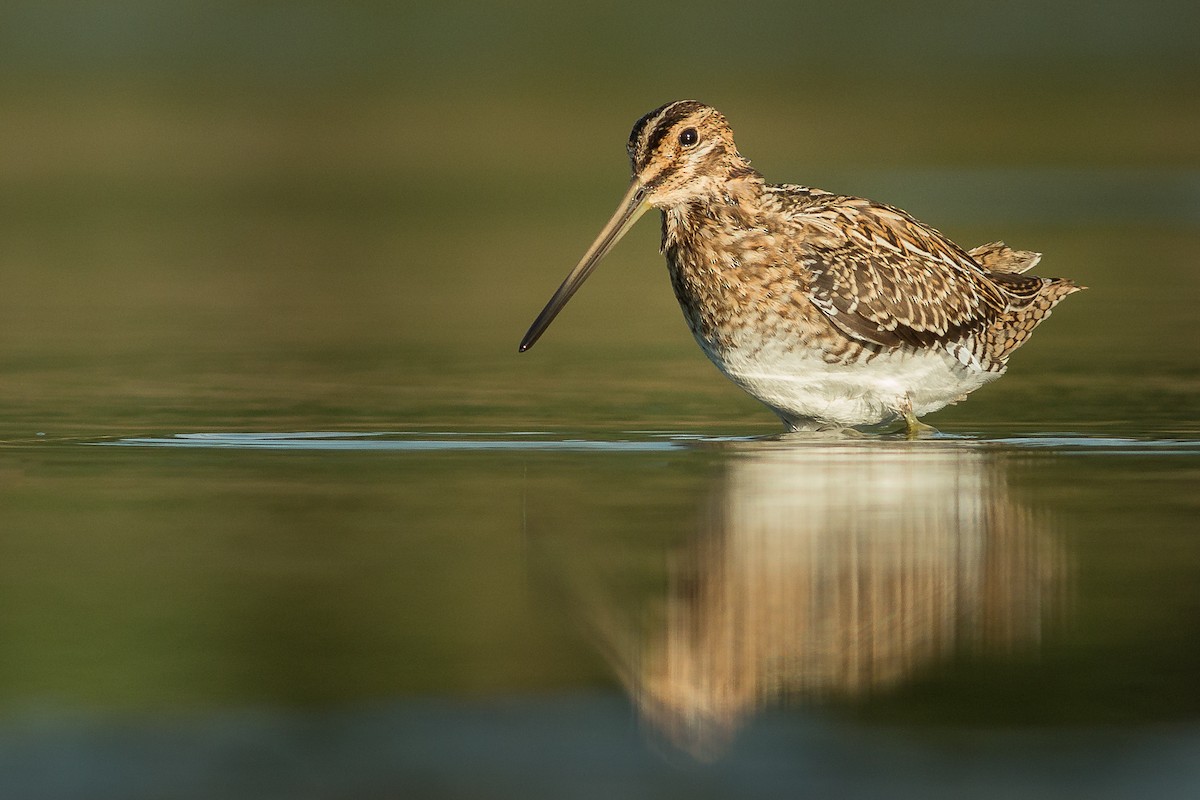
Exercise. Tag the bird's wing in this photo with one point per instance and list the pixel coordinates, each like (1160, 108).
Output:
(999, 257)
(880, 276)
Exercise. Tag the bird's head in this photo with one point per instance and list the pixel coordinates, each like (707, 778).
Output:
(681, 152)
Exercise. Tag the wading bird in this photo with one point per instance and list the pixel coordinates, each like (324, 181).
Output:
(832, 310)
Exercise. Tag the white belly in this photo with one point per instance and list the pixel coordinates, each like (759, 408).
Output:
(808, 392)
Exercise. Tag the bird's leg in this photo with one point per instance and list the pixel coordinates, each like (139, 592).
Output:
(913, 427)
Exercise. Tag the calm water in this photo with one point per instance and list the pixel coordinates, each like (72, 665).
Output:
(640, 613)
(283, 514)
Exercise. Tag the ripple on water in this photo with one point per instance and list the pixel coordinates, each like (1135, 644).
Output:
(636, 441)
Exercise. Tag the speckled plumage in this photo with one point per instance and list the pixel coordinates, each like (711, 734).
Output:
(832, 310)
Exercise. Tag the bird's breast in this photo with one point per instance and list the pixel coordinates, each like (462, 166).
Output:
(732, 275)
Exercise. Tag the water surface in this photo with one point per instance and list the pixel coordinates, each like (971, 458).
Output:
(260, 611)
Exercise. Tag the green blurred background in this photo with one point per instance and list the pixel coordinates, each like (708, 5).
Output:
(301, 216)
(298, 213)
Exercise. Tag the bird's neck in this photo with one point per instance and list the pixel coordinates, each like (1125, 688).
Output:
(733, 207)
(719, 253)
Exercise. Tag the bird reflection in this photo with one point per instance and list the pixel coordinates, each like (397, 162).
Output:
(833, 570)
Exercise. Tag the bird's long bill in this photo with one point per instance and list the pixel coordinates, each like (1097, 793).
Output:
(633, 205)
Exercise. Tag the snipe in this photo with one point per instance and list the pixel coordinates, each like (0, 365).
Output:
(832, 310)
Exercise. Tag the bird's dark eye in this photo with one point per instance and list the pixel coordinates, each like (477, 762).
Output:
(688, 137)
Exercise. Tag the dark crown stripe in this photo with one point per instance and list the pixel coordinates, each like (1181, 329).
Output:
(671, 116)
(659, 123)
(639, 127)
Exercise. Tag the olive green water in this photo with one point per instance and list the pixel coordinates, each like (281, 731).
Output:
(284, 514)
